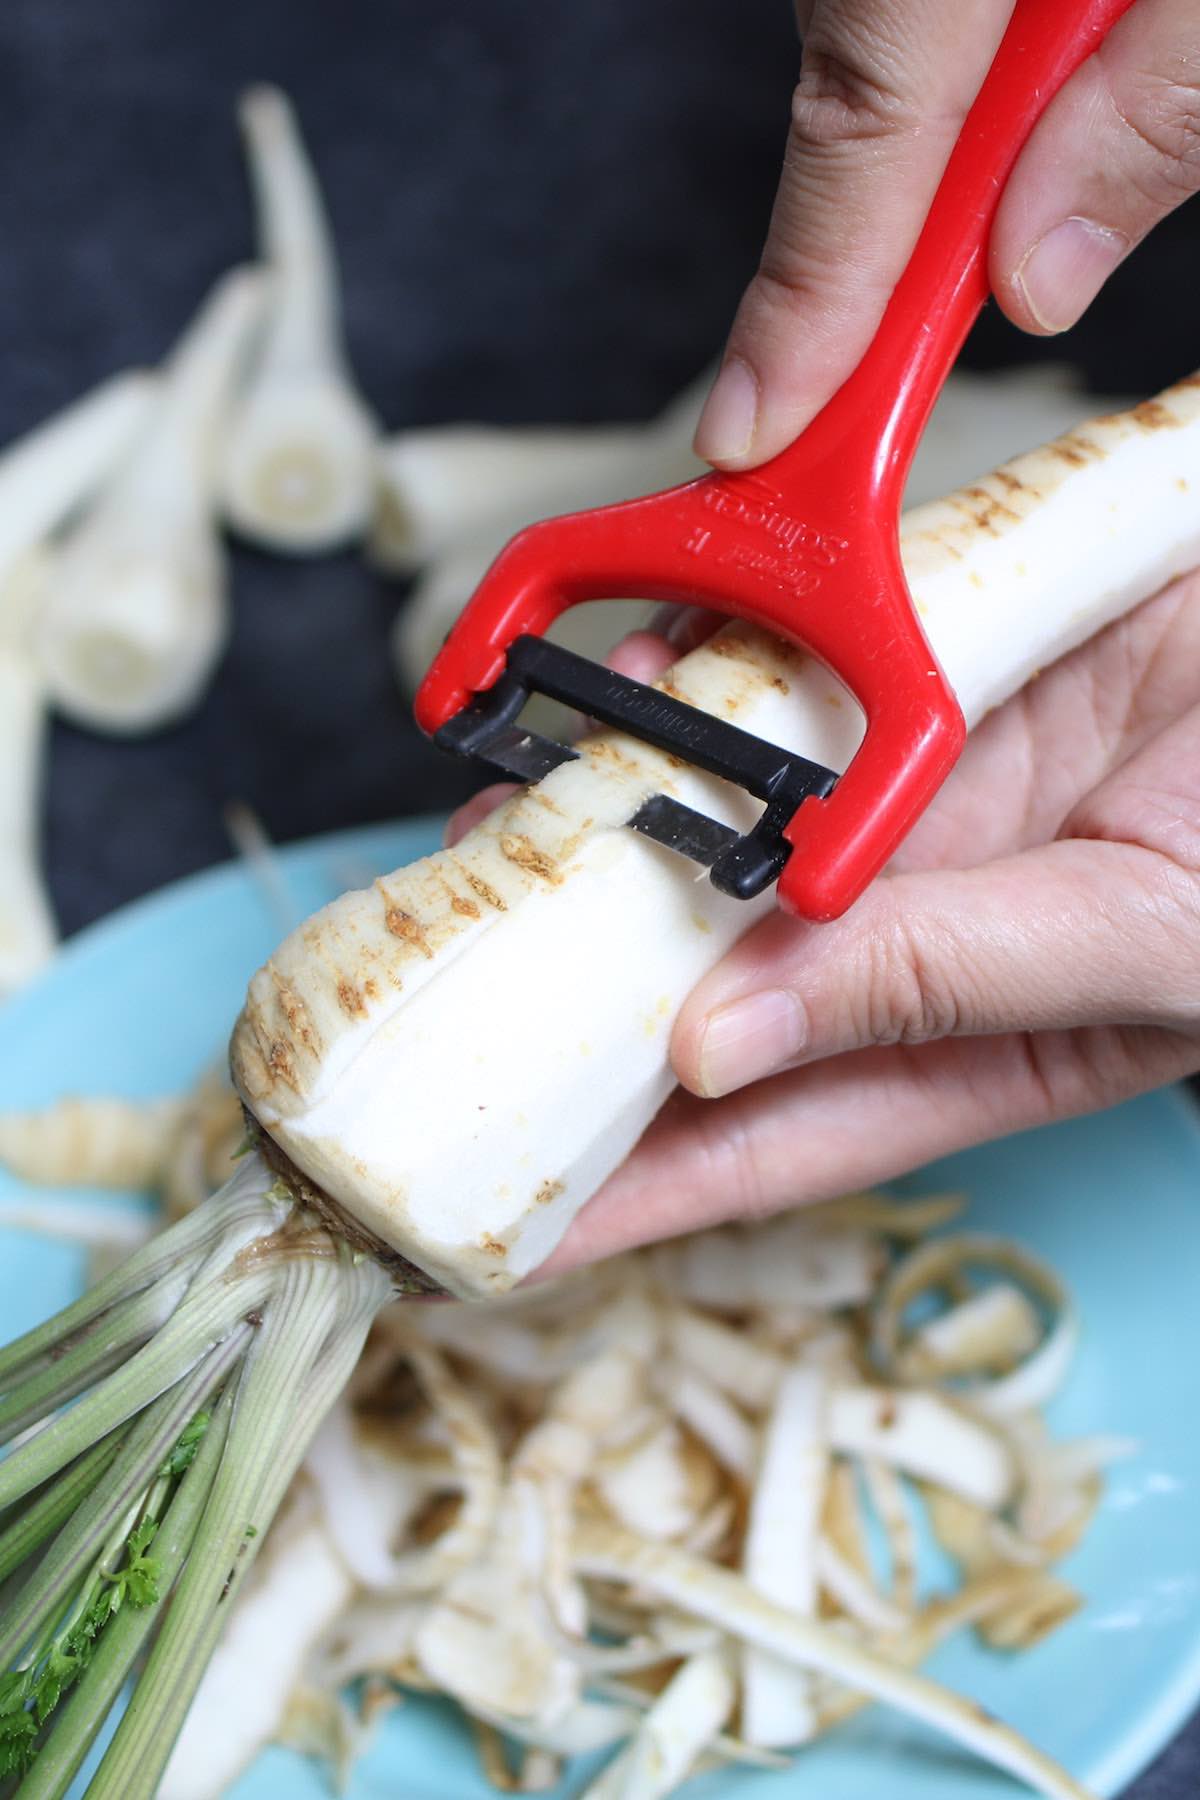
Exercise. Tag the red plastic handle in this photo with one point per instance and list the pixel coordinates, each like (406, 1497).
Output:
(808, 545)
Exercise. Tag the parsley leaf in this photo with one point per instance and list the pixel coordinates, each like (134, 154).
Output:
(184, 1453)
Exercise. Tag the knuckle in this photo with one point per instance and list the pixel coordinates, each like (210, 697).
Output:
(906, 996)
(1163, 115)
(839, 100)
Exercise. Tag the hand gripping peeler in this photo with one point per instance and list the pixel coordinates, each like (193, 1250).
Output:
(807, 546)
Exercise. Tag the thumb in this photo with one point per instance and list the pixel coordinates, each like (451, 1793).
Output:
(1117, 150)
(884, 87)
(1076, 933)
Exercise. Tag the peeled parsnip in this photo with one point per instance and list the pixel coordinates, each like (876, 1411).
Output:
(298, 459)
(135, 613)
(780, 1555)
(450, 498)
(42, 478)
(27, 931)
(299, 1586)
(457, 1057)
(78, 1142)
(450, 484)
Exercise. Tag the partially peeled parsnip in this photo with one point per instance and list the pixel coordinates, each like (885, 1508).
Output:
(448, 484)
(42, 478)
(135, 615)
(457, 1057)
(298, 471)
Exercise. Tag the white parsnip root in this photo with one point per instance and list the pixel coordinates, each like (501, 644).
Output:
(84, 1142)
(450, 497)
(43, 478)
(298, 459)
(135, 614)
(515, 995)
(450, 485)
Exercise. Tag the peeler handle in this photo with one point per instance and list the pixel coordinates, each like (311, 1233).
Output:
(884, 405)
(808, 544)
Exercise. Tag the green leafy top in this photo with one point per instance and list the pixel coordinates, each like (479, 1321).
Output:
(184, 1453)
(28, 1696)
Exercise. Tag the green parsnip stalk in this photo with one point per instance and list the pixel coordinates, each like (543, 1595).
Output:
(172, 1406)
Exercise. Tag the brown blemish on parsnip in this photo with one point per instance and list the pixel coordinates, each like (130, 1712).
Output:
(293, 1010)
(727, 646)
(481, 888)
(350, 1000)
(492, 1246)
(279, 1061)
(1152, 415)
(988, 508)
(527, 856)
(402, 925)
(1012, 484)
(549, 1190)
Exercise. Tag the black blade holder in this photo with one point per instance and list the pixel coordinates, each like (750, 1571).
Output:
(741, 864)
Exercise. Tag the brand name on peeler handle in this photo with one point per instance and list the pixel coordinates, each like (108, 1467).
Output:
(760, 512)
(656, 711)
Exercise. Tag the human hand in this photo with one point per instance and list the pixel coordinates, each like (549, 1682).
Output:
(884, 87)
(1033, 952)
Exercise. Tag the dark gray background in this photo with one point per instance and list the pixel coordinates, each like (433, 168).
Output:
(544, 211)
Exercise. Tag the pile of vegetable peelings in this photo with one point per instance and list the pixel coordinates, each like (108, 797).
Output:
(671, 1508)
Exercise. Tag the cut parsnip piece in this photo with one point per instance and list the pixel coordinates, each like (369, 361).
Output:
(459, 1055)
(451, 497)
(298, 457)
(135, 614)
(42, 478)
(689, 1713)
(299, 1587)
(77, 1142)
(450, 484)
(780, 1557)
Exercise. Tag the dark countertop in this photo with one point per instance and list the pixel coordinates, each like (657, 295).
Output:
(544, 213)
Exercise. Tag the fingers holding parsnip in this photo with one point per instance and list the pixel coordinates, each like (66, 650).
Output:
(1116, 151)
(956, 1004)
(883, 90)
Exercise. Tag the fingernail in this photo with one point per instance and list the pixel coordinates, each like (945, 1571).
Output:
(748, 1039)
(726, 428)
(1066, 269)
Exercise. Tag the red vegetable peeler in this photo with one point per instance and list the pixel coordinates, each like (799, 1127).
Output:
(806, 546)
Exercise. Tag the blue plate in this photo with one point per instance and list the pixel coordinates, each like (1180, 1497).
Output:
(140, 1003)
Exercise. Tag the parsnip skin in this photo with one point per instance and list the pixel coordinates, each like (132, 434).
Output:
(461, 1054)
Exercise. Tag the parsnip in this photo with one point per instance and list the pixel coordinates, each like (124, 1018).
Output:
(298, 458)
(42, 478)
(135, 612)
(108, 1143)
(299, 1586)
(449, 498)
(459, 1055)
